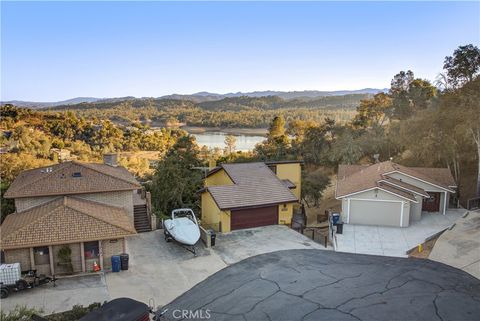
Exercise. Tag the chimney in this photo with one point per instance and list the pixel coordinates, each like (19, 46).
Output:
(376, 156)
(110, 159)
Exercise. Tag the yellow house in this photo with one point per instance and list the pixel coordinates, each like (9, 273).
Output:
(246, 195)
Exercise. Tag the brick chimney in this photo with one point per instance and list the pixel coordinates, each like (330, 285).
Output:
(110, 159)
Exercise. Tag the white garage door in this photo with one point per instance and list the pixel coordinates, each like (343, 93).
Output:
(375, 213)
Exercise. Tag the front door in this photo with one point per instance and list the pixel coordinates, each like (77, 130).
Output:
(431, 204)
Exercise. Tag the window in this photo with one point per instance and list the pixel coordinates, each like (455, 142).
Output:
(91, 250)
(77, 174)
(41, 255)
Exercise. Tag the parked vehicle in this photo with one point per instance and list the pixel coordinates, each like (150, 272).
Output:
(121, 309)
(11, 279)
(183, 228)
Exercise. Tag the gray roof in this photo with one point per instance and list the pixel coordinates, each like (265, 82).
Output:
(254, 185)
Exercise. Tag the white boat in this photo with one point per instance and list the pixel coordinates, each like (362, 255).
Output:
(183, 228)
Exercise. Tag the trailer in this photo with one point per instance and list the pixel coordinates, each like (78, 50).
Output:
(11, 279)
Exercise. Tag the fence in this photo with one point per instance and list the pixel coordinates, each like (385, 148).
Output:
(473, 203)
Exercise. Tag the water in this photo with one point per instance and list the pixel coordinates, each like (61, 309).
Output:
(217, 139)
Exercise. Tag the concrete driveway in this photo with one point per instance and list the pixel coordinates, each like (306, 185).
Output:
(75, 290)
(394, 241)
(460, 246)
(313, 285)
(160, 271)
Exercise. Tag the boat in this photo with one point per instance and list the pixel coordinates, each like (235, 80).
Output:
(183, 228)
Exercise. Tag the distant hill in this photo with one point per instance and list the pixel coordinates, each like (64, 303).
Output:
(204, 96)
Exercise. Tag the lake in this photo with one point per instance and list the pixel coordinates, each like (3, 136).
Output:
(217, 139)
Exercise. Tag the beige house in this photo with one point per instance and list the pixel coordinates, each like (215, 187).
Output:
(85, 208)
(390, 194)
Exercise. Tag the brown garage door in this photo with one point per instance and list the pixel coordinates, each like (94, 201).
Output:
(254, 217)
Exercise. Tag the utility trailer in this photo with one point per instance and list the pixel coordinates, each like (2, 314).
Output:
(11, 279)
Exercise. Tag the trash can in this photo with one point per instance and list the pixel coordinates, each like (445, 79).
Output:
(335, 218)
(339, 228)
(124, 261)
(115, 263)
(213, 236)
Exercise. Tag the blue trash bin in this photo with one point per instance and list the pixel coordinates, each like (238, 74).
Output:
(115, 263)
(335, 218)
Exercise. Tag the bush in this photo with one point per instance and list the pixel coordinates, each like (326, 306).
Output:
(77, 312)
(20, 313)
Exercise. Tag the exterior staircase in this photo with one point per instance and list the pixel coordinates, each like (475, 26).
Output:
(141, 219)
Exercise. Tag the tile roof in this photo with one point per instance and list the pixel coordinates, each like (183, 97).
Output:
(59, 180)
(65, 220)
(254, 185)
(357, 178)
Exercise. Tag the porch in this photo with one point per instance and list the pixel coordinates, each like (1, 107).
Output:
(394, 241)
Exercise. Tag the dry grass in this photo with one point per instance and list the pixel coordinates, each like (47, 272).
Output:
(328, 201)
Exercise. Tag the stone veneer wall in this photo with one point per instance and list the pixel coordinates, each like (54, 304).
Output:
(111, 247)
(21, 256)
(76, 259)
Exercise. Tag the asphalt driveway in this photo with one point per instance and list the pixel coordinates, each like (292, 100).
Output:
(314, 285)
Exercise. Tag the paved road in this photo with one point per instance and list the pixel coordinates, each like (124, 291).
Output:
(323, 285)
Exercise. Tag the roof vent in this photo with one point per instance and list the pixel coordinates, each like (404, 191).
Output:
(77, 174)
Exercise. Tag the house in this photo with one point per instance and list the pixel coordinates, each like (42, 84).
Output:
(390, 194)
(246, 195)
(86, 209)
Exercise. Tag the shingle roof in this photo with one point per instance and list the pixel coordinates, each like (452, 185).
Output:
(254, 185)
(397, 182)
(59, 180)
(65, 220)
(357, 178)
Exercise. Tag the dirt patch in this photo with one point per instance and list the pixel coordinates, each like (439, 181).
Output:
(328, 201)
(426, 249)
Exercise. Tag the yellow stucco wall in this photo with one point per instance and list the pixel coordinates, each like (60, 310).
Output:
(293, 172)
(212, 216)
(285, 214)
(219, 178)
(225, 220)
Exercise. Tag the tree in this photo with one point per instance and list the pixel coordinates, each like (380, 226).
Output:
(277, 144)
(314, 183)
(373, 111)
(230, 142)
(463, 66)
(409, 94)
(463, 108)
(176, 181)
(277, 127)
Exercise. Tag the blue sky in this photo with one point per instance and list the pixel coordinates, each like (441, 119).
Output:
(58, 50)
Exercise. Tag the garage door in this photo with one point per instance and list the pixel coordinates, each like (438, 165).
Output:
(253, 217)
(375, 213)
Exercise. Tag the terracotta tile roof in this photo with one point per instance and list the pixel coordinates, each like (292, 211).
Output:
(65, 220)
(60, 180)
(357, 178)
(254, 185)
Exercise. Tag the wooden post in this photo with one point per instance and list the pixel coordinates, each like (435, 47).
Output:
(32, 259)
(82, 254)
(100, 254)
(50, 254)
